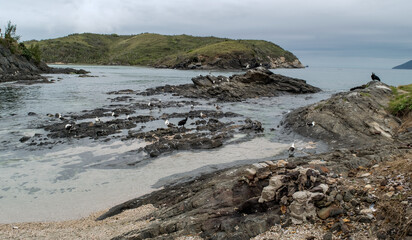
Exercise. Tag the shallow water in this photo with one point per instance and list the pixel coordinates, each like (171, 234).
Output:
(77, 177)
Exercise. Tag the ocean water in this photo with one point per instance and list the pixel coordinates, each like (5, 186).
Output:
(77, 177)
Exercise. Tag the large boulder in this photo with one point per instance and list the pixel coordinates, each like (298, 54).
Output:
(355, 118)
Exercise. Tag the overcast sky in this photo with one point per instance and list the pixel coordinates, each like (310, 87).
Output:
(312, 29)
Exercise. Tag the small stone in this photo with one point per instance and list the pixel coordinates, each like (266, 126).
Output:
(389, 194)
(250, 173)
(339, 197)
(268, 194)
(365, 175)
(281, 163)
(290, 165)
(375, 166)
(276, 181)
(364, 219)
(399, 188)
(327, 236)
(368, 187)
(391, 189)
(329, 212)
(348, 196)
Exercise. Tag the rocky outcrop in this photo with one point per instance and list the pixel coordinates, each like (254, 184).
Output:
(350, 119)
(254, 83)
(235, 62)
(241, 203)
(16, 67)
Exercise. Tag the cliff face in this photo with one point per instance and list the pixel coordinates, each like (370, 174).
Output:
(16, 67)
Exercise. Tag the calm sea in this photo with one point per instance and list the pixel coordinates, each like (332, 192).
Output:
(72, 179)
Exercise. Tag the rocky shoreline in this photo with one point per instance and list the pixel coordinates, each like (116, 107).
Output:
(361, 189)
(17, 68)
(205, 130)
(363, 184)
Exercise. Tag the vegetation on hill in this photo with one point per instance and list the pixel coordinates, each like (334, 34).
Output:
(11, 41)
(155, 50)
(401, 104)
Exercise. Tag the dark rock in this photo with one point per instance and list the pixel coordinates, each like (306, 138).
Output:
(355, 118)
(32, 114)
(24, 139)
(254, 83)
(15, 67)
(348, 196)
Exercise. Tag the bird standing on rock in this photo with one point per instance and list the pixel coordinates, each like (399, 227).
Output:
(68, 127)
(167, 122)
(374, 77)
(291, 150)
(97, 119)
(115, 114)
(311, 124)
(182, 122)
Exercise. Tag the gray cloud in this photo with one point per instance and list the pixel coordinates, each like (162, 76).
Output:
(368, 27)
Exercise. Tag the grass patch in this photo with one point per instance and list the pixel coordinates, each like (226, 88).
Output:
(401, 103)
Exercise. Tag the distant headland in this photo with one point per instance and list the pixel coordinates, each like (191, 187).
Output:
(165, 51)
(407, 65)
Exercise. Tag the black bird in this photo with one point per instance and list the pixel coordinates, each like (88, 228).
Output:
(182, 122)
(374, 77)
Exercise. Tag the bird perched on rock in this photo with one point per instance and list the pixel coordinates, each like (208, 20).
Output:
(217, 107)
(115, 114)
(128, 117)
(182, 122)
(291, 150)
(311, 124)
(68, 127)
(202, 115)
(374, 77)
(167, 122)
(97, 119)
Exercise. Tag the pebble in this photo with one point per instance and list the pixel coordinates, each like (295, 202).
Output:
(365, 175)
(327, 236)
(368, 186)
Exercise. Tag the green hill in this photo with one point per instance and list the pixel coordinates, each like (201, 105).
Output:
(169, 51)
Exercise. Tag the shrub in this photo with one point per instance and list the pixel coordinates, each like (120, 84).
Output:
(401, 103)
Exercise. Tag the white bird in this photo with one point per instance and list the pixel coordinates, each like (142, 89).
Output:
(68, 127)
(115, 114)
(97, 119)
(291, 150)
(128, 117)
(167, 122)
(202, 115)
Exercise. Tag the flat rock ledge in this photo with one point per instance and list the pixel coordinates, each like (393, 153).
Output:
(349, 119)
(258, 82)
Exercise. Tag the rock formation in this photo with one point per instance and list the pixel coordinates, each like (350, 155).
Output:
(16, 67)
(258, 82)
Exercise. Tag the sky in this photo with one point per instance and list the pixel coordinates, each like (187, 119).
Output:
(319, 32)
